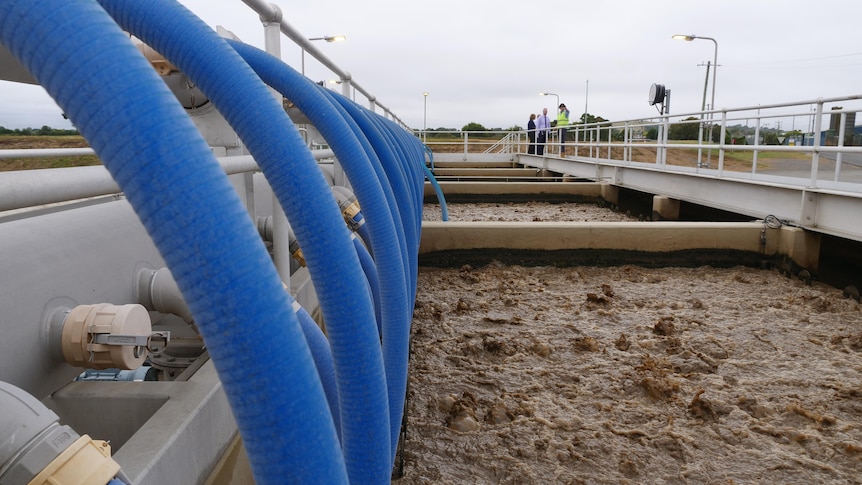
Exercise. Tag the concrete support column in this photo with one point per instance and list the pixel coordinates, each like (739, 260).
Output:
(611, 194)
(665, 208)
(801, 246)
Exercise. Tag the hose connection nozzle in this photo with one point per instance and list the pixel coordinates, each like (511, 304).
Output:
(105, 336)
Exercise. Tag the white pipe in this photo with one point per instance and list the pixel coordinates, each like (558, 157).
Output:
(280, 225)
(29, 188)
(45, 152)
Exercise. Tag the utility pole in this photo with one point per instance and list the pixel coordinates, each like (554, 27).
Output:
(586, 101)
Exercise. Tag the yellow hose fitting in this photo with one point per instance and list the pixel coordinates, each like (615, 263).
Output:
(350, 211)
(84, 462)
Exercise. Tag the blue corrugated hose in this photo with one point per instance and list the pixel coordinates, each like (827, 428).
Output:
(372, 186)
(260, 121)
(183, 198)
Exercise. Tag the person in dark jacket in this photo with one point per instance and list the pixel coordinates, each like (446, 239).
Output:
(531, 134)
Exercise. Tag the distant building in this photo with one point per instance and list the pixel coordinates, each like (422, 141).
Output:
(831, 136)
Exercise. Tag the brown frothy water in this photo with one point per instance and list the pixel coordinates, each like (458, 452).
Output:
(525, 212)
(632, 375)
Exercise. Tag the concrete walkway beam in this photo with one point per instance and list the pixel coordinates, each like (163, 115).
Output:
(575, 191)
(753, 238)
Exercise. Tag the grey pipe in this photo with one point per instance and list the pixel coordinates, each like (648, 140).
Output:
(158, 291)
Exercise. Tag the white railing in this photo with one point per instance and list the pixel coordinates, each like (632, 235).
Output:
(815, 141)
(271, 15)
(745, 136)
(473, 142)
(504, 145)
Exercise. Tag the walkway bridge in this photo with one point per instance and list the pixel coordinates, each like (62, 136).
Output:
(816, 186)
(726, 197)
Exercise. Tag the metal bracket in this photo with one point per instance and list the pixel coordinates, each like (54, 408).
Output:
(155, 342)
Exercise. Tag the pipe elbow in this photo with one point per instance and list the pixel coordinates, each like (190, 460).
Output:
(274, 16)
(35, 448)
(158, 291)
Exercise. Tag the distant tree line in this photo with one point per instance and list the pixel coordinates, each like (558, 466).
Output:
(687, 129)
(444, 133)
(43, 131)
(734, 134)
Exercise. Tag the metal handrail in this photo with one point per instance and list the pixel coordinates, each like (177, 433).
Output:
(617, 142)
(504, 145)
(271, 13)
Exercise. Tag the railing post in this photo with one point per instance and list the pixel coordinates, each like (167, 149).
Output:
(664, 137)
(815, 155)
(840, 145)
(721, 139)
(280, 225)
(610, 133)
(577, 139)
(346, 85)
(711, 126)
(627, 140)
(466, 143)
(756, 143)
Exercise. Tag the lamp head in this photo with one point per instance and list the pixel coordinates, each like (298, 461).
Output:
(684, 37)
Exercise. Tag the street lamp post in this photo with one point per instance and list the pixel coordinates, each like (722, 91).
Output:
(552, 94)
(690, 38)
(327, 38)
(556, 107)
(425, 118)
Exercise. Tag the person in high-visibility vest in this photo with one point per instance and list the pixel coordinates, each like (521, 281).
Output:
(562, 123)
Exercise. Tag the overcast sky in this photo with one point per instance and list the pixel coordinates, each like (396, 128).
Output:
(486, 61)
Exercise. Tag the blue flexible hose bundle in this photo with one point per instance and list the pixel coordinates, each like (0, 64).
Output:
(339, 402)
(372, 188)
(180, 193)
(260, 121)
